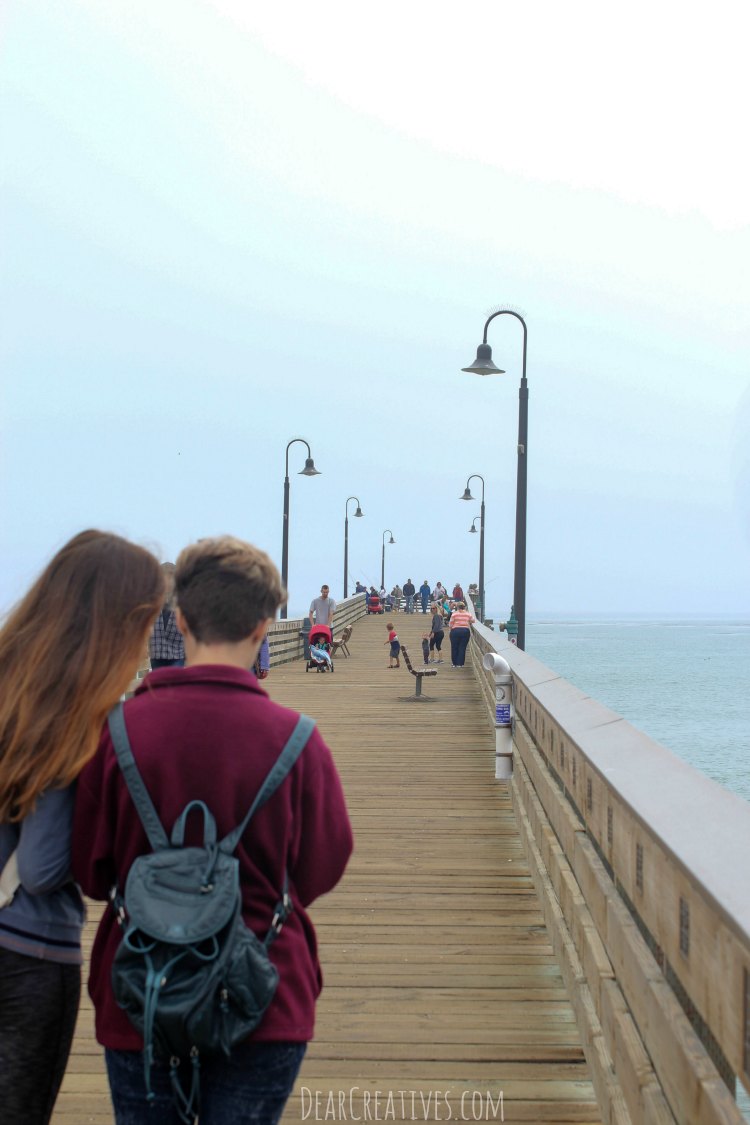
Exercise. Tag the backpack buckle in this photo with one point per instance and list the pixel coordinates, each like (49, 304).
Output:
(282, 912)
(117, 903)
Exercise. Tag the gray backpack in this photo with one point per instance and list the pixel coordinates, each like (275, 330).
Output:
(188, 972)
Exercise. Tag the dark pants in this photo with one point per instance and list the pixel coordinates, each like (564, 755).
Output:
(38, 1009)
(459, 642)
(156, 662)
(436, 640)
(252, 1085)
(425, 598)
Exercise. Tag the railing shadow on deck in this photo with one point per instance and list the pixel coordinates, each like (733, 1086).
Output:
(641, 863)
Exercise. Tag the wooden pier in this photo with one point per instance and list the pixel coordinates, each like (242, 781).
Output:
(443, 998)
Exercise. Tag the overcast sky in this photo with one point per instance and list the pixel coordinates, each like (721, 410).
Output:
(227, 225)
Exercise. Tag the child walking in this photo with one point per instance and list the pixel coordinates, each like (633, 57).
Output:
(393, 641)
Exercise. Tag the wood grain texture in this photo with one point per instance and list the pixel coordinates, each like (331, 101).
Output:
(440, 979)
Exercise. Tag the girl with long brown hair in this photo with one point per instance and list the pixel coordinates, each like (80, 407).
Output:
(67, 653)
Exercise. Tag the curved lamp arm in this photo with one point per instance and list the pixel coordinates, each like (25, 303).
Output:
(309, 469)
(467, 491)
(509, 312)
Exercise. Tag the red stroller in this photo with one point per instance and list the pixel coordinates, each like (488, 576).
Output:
(321, 643)
(374, 604)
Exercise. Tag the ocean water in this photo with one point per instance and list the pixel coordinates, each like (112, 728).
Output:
(685, 683)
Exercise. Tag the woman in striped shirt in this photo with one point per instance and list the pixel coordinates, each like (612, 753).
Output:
(460, 632)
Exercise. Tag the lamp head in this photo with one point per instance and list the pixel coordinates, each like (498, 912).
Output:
(483, 364)
(309, 469)
(391, 541)
(359, 513)
(467, 494)
(473, 529)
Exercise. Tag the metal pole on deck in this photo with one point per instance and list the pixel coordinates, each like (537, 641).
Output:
(308, 471)
(382, 557)
(483, 365)
(467, 496)
(359, 513)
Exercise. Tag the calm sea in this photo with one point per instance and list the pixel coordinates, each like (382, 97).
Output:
(685, 683)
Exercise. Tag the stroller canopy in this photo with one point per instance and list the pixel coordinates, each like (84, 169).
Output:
(320, 633)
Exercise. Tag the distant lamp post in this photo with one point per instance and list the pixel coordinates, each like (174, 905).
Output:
(473, 528)
(483, 365)
(391, 541)
(358, 515)
(467, 496)
(308, 471)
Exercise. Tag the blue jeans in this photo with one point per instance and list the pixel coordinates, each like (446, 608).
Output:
(409, 603)
(252, 1085)
(459, 643)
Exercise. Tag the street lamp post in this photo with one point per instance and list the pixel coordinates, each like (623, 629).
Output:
(308, 471)
(382, 557)
(467, 496)
(483, 365)
(358, 514)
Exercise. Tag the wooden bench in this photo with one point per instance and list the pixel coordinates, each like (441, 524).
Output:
(419, 673)
(342, 642)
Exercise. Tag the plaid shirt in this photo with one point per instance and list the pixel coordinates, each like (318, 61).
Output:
(165, 642)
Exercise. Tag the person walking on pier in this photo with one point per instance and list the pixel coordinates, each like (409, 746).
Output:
(395, 644)
(424, 594)
(409, 592)
(210, 731)
(460, 634)
(262, 665)
(322, 609)
(67, 653)
(436, 634)
(165, 646)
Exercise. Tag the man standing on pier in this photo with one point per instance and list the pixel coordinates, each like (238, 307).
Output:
(409, 592)
(322, 609)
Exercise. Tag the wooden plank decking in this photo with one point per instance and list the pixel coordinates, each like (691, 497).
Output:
(440, 982)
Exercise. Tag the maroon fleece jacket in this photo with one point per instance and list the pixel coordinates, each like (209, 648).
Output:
(211, 733)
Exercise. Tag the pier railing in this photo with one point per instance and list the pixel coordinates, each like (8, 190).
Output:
(641, 863)
(285, 641)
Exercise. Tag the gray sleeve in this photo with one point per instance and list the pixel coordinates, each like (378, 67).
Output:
(44, 845)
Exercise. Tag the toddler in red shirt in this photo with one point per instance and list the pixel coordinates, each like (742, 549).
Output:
(393, 641)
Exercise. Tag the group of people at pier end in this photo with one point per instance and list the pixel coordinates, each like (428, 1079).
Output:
(202, 729)
(447, 612)
(409, 599)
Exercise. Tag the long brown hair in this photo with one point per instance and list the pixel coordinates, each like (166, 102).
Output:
(67, 653)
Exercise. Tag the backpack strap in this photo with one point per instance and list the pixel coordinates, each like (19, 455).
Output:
(144, 805)
(157, 837)
(281, 767)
